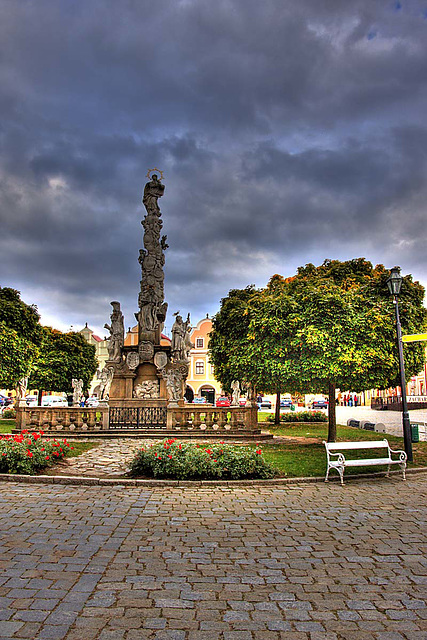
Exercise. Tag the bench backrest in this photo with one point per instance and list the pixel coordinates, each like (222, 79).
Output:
(362, 444)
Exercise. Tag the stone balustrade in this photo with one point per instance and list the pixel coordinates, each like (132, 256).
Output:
(62, 418)
(212, 419)
(194, 419)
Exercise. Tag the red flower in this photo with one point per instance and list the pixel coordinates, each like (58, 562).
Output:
(259, 452)
(169, 456)
(47, 458)
(29, 454)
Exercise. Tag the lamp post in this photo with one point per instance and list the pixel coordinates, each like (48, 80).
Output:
(394, 284)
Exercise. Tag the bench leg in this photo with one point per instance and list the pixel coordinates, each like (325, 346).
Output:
(341, 472)
(388, 472)
(403, 467)
(327, 474)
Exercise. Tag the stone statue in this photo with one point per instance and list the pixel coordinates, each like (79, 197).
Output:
(152, 191)
(188, 345)
(117, 331)
(236, 393)
(106, 378)
(174, 384)
(77, 391)
(180, 342)
(21, 389)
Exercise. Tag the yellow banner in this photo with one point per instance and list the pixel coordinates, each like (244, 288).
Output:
(415, 337)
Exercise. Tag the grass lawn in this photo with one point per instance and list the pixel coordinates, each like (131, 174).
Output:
(307, 455)
(79, 448)
(6, 426)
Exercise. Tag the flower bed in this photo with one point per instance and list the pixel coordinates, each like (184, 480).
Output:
(191, 461)
(301, 416)
(28, 453)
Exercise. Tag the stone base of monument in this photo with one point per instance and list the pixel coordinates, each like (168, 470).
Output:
(148, 418)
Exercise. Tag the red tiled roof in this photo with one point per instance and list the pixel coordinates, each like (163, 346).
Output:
(97, 338)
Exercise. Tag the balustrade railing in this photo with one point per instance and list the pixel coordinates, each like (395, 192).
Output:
(194, 419)
(62, 418)
(213, 418)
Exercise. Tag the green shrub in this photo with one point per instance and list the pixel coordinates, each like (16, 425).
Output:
(191, 461)
(301, 416)
(28, 453)
(9, 413)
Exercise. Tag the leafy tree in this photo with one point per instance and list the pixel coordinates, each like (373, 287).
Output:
(234, 351)
(20, 337)
(328, 326)
(63, 356)
(16, 356)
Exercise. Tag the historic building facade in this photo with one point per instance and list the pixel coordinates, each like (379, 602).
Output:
(201, 381)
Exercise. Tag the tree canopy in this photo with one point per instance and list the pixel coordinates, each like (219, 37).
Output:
(20, 337)
(63, 356)
(326, 327)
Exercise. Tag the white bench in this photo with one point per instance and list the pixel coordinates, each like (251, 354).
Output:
(340, 463)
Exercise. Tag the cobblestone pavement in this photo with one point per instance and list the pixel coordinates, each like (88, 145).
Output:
(110, 458)
(300, 562)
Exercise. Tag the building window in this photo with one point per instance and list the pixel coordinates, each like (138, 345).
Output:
(200, 368)
(199, 343)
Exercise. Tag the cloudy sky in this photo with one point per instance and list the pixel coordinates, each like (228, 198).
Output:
(289, 131)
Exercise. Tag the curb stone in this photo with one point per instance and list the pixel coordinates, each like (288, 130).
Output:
(130, 482)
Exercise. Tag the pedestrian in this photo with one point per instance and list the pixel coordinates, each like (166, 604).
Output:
(350, 400)
(355, 400)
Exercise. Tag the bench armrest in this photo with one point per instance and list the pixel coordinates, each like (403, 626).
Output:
(341, 456)
(402, 455)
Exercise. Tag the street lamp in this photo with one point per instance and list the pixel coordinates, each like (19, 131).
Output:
(394, 284)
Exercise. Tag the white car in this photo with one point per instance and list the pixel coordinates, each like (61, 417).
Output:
(31, 401)
(92, 402)
(54, 401)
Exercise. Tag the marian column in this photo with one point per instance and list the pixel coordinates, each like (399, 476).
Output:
(152, 307)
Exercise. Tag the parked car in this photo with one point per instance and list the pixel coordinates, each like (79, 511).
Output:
(5, 402)
(285, 403)
(54, 401)
(31, 401)
(242, 402)
(92, 401)
(223, 401)
(201, 400)
(264, 404)
(319, 403)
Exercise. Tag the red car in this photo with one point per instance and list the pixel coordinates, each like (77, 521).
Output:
(223, 402)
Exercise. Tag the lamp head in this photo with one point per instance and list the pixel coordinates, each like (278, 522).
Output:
(394, 282)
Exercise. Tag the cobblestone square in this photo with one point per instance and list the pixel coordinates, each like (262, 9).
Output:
(295, 562)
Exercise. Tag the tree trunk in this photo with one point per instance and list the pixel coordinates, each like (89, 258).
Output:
(40, 396)
(277, 412)
(332, 427)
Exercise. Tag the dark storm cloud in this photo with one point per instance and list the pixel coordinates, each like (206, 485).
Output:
(288, 132)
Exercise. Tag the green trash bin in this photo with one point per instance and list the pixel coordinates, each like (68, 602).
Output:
(292, 407)
(415, 433)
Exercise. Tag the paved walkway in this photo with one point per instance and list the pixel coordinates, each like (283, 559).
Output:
(305, 562)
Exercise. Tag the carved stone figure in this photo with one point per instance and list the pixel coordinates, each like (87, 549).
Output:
(236, 392)
(180, 346)
(77, 390)
(21, 389)
(147, 389)
(106, 378)
(152, 191)
(174, 383)
(117, 333)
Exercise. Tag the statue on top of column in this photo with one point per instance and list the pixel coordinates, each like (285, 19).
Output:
(152, 191)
